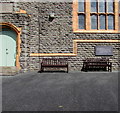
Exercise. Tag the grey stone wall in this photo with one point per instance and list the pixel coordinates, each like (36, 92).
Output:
(42, 35)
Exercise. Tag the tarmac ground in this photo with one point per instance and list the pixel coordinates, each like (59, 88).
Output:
(58, 91)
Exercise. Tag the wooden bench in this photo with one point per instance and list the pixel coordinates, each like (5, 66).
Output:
(96, 64)
(54, 63)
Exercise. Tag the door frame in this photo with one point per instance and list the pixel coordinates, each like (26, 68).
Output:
(18, 40)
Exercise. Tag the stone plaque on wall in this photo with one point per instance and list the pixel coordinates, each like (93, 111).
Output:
(103, 50)
(6, 7)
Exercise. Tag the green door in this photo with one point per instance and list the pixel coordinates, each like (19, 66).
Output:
(8, 47)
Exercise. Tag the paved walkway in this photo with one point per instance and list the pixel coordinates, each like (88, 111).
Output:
(74, 91)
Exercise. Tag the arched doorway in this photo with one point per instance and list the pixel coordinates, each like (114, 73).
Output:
(10, 45)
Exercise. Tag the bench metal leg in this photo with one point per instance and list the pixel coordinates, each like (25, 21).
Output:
(41, 69)
(110, 69)
(67, 69)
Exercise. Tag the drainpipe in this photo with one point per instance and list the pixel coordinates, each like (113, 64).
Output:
(39, 23)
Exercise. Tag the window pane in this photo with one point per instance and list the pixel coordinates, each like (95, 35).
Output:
(81, 21)
(93, 6)
(110, 6)
(93, 22)
(102, 22)
(102, 6)
(81, 6)
(110, 22)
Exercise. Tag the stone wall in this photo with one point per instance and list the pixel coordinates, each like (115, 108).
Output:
(43, 35)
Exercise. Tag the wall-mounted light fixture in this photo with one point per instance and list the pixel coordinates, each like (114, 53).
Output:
(52, 15)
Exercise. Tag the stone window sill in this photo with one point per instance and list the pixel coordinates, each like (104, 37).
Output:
(96, 31)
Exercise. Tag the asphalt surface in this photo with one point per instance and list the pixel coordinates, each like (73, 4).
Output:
(74, 91)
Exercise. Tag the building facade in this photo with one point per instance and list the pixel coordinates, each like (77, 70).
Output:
(31, 31)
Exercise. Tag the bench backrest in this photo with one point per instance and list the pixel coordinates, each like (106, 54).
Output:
(97, 60)
(54, 61)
